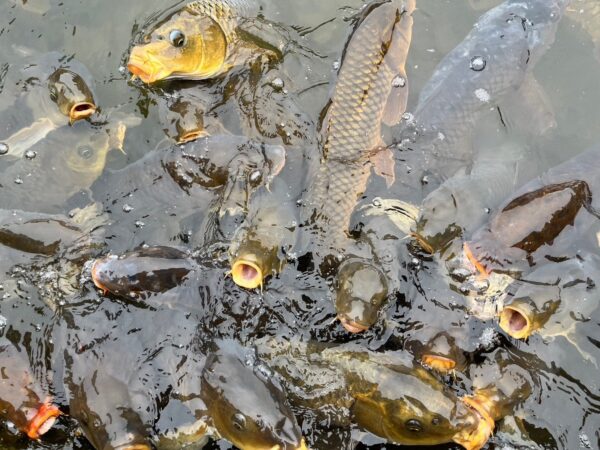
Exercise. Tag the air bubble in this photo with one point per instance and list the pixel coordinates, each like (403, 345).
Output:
(127, 208)
(3, 148)
(18, 180)
(30, 154)
(278, 83)
(398, 81)
(478, 63)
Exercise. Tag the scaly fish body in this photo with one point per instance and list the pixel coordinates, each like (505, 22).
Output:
(197, 42)
(374, 62)
(492, 62)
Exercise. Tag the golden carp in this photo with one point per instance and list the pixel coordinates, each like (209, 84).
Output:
(197, 42)
(75, 155)
(386, 393)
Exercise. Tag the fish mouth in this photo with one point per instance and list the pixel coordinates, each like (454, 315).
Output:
(246, 272)
(439, 363)
(133, 447)
(96, 276)
(477, 438)
(350, 325)
(515, 322)
(145, 66)
(191, 136)
(43, 420)
(81, 110)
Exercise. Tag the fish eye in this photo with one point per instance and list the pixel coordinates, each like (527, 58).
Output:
(177, 38)
(239, 421)
(256, 177)
(414, 425)
(85, 151)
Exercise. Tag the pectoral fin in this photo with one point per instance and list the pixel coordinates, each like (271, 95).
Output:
(383, 164)
(529, 108)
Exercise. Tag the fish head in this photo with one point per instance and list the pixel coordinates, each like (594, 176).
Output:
(177, 49)
(247, 405)
(71, 94)
(188, 121)
(361, 293)
(153, 269)
(412, 407)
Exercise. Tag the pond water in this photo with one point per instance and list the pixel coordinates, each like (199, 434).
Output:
(563, 410)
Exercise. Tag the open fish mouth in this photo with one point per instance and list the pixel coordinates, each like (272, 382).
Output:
(515, 322)
(146, 67)
(477, 438)
(43, 420)
(81, 110)
(352, 326)
(246, 273)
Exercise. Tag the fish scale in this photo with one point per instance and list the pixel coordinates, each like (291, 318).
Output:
(224, 12)
(375, 55)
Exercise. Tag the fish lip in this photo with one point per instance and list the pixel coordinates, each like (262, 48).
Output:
(140, 60)
(81, 110)
(505, 322)
(237, 272)
(477, 438)
(352, 326)
(95, 277)
(43, 420)
(191, 136)
(442, 364)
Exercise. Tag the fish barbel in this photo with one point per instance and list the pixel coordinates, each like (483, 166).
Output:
(196, 42)
(371, 87)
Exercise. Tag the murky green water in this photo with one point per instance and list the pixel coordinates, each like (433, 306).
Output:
(563, 412)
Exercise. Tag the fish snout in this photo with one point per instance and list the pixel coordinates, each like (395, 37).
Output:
(247, 272)
(42, 421)
(474, 423)
(80, 111)
(143, 64)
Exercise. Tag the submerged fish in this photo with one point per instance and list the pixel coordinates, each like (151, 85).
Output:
(386, 393)
(23, 401)
(183, 120)
(199, 41)
(491, 67)
(68, 160)
(542, 218)
(56, 92)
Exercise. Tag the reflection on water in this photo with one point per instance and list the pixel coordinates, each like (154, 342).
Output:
(149, 195)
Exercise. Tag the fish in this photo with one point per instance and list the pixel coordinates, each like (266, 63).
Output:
(142, 272)
(258, 249)
(23, 401)
(585, 13)
(247, 407)
(75, 155)
(500, 384)
(71, 94)
(220, 173)
(543, 216)
(490, 68)
(56, 92)
(190, 392)
(183, 120)
(365, 94)
(386, 393)
(197, 42)
(462, 204)
(546, 300)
